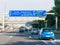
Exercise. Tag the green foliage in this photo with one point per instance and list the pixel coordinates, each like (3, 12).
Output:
(51, 11)
(50, 20)
(41, 23)
(57, 10)
(38, 24)
(57, 3)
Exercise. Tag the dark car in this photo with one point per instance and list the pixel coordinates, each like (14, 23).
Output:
(22, 29)
(34, 31)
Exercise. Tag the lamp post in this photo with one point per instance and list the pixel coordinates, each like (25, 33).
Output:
(45, 23)
(4, 12)
(56, 22)
(3, 22)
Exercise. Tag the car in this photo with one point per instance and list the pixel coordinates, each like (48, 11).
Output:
(0, 29)
(29, 31)
(22, 29)
(34, 31)
(46, 33)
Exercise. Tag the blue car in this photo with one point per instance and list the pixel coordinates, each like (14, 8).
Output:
(46, 33)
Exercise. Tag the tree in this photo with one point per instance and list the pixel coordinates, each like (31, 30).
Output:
(57, 10)
(38, 24)
(51, 11)
(50, 20)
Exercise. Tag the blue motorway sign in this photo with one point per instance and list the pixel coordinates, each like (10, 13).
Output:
(27, 13)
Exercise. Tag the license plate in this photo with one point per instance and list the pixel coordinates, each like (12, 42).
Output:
(47, 36)
(34, 31)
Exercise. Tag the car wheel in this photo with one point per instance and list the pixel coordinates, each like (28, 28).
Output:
(53, 39)
(39, 38)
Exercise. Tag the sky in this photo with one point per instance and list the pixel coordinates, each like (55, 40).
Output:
(6, 5)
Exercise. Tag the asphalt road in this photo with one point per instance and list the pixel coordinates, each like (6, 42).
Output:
(25, 39)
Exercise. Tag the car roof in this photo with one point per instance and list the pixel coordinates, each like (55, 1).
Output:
(46, 28)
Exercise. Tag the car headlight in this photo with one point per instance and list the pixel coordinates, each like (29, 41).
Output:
(51, 32)
(53, 35)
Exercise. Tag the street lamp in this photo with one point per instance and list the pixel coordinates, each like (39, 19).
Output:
(4, 12)
(56, 22)
(46, 23)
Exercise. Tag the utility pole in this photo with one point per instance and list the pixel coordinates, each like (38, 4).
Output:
(56, 22)
(4, 12)
(45, 23)
(3, 22)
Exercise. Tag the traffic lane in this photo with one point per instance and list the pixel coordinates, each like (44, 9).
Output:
(57, 36)
(26, 43)
(14, 34)
(57, 40)
(50, 42)
(20, 39)
(25, 39)
(16, 40)
(4, 39)
(35, 37)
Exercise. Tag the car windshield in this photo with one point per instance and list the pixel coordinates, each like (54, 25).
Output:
(34, 29)
(47, 30)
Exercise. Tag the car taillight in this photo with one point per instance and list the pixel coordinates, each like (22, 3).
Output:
(42, 32)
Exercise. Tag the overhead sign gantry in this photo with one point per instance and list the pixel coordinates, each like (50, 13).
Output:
(27, 13)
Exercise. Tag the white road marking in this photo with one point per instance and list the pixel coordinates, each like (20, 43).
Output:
(52, 41)
(57, 40)
(37, 44)
(10, 36)
(48, 41)
(30, 37)
(45, 41)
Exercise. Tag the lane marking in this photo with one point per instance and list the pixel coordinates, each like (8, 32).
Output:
(37, 44)
(10, 36)
(53, 42)
(45, 41)
(57, 40)
(30, 37)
